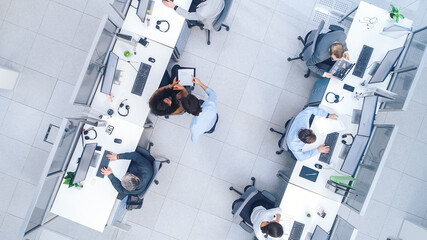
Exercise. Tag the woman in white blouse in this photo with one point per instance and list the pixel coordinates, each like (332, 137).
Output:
(266, 222)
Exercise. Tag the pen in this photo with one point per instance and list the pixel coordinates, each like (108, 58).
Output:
(310, 174)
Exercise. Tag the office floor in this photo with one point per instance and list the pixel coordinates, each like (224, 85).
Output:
(257, 89)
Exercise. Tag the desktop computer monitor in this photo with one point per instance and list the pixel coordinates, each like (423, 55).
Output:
(386, 65)
(109, 72)
(141, 10)
(367, 115)
(355, 154)
(84, 162)
(319, 234)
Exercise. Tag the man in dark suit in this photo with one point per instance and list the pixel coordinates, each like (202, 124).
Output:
(136, 179)
(330, 47)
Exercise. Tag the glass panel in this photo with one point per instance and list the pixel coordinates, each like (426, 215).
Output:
(94, 70)
(368, 166)
(120, 5)
(47, 192)
(342, 230)
(401, 82)
(66, 145)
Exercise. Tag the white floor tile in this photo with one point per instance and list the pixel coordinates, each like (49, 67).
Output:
(197, 43)
(252, 20)
(411, 188)
(77, 4)
(400, 151)
(387, 184)
(9, 230)
(225, 119)
(21, 199)
(59, 104)
(164, 176)
(218, 199)
(21, 122)
(34, 89)
(85, 32)
(4, 6)
(297, 9)
(259, 99)
(160, 236)
(188, 186)
(297, 83)
(15, 42)
(73, 65)
(247, 132)
(97, 8)
(239, 53)
(373, 220)
(288, 106)
(148, 214)
(237, 233)
(4, 105)
(265, 172)
(202, 155)
(270, 145)
(423, 130)
(136, 232)
(394, 221)
(414, 115)
(234, 165)
(41, 133)
(60, 22)
(209, 227)
(9, 184)
(229, 85)
(176, 219)
(26, 13)
(417, 164)
(34, 165)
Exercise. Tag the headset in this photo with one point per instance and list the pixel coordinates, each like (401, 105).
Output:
(336, 98)
(345, 136)
(87, 132)
(125, 106)
(159, 22)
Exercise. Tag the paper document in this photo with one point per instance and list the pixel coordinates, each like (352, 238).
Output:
(326, 125)
(185, 76)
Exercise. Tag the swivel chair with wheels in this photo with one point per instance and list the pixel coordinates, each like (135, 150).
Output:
(248, 200)
(283, 146)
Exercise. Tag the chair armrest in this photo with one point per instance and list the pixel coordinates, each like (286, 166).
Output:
(269, 196)
(246, 227)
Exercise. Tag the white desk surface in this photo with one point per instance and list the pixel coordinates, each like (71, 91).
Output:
(358, 36)
(139, 108)
(91, 206)
(297, 202)
(158, 12)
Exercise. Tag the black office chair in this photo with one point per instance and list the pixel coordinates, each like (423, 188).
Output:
(310, 41)
(283, 146)
(249, 199)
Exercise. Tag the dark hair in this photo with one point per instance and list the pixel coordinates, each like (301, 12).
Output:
(337, 49)
(160, 108)
(307, 136)
(273, 229)
(191, 105)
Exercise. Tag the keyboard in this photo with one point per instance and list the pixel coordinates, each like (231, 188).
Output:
(362, 61)
(104, 163)
(141, 79)
(331, 141)
(296, 231)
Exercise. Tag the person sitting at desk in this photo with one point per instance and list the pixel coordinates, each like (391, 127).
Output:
(205, 114)
(167, 99)
(300, 134)
(330, 47)
(266, 222)
(204, 11)
(136, 179)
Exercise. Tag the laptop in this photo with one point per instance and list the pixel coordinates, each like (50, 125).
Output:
(341, 68)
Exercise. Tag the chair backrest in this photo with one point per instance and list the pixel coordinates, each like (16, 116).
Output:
(310, 45)
(283, 144)
(156, 166)
(223, 15)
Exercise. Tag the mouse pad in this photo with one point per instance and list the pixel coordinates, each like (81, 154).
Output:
(309, 174)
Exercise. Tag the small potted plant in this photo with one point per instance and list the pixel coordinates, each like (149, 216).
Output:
(395, 13)
(69, 179)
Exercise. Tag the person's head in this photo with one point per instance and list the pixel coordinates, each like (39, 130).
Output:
(130, 182)
(307, 136)
(164, 102)
(191, 105)
(336, 51)
(273, 229)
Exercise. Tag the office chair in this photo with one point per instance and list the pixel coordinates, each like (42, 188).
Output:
(243, 206)
(282, 142)
(310, 42)
(218, 23)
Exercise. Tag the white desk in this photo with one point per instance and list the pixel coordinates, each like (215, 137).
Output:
(158, 12)
(358, 36)
(297, 202)
(139, 108)
(91, 206)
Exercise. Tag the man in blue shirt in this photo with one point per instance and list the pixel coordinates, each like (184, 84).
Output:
(300, 134)
(206, 114)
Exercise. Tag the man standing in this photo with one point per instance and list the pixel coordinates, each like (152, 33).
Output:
(204, 11)
(205, 114)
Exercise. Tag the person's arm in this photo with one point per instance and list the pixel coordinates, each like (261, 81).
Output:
(316, 111)
(198, 82)
(114, 180)
(184, 13)
(301, 156)
(211, 95)
(311, 64)
(133, 156)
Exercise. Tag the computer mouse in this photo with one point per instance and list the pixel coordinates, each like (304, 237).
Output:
(318, 166)
(151, 59)
(117, 140)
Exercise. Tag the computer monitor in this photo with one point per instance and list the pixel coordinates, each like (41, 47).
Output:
(84, 162)
(319, 234)
(386, 65)
(109, 72)
(141, 10)
(367, 115)
(355, 154)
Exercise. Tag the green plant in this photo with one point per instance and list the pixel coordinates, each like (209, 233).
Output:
(69, 179)
(395, 13)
